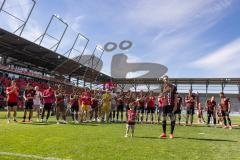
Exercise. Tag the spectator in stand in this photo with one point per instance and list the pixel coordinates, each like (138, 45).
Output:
(48, 100)
(2, 99)
(12, 98)
(28, 96)
(37, 102)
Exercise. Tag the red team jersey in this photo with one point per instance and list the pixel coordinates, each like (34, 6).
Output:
(95, 102)
(29, 93)
(141, 102)
(170, 93)
(131, 116)
(150, 102)
(211, 105)
(12, 97)
(48, 96)
(162, 101)
(59, 98)
(224, 103)
(120, 100)
(190, 101)
(86, 98)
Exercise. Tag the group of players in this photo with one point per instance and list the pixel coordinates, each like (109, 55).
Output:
(106, 106)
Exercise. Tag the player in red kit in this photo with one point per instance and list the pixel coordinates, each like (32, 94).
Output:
(28, 95)
(74, 106)
(95, 105)
(169, 91)
(211, 110)
(85, 105)
(179, 108)
(141, 106)
(120, 105)
(161, 102)
(12, 99)
(60, 105)
(190, 101)
(225, 106)
(48, 100)
(150, 106)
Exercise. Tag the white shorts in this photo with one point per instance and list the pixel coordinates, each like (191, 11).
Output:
(38, 106)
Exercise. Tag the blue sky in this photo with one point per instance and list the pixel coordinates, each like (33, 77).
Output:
(199, 38)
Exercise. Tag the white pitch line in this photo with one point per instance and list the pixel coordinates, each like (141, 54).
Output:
(30, 156)
(201, 133)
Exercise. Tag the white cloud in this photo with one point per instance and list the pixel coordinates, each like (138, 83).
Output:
(177, 24)
(161, 30)
(173, 14)
(19, 9)
(76, 22)
(224, 60)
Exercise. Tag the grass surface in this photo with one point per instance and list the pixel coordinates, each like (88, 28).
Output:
(106, 141)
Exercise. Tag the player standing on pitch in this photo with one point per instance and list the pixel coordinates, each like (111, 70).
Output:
(211, 110)
(131, 120)
(179, 108)
(141, 106)
(60, 106)
(190, 104)
(12, 99)
(48, 99)
(28, 95)
(170, 105)
(225, 106)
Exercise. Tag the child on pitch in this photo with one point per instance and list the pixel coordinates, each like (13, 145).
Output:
(132, 114)
(200, 114)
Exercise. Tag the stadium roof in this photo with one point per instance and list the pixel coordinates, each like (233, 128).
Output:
(148, 81)
(33, 54)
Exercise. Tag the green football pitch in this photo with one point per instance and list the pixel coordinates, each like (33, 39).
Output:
(106, 141)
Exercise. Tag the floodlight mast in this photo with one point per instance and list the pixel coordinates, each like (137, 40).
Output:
(91, 60)
(2, 5)
(46, 34)
(73, 48)
(15, 17)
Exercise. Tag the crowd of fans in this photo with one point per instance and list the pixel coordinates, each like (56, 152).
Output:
(27, 72)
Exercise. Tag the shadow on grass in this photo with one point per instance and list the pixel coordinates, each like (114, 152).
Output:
(236, 128)
(190, 138)
(84, 124)
(207, 139)
(147, 137)
(40, 123)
